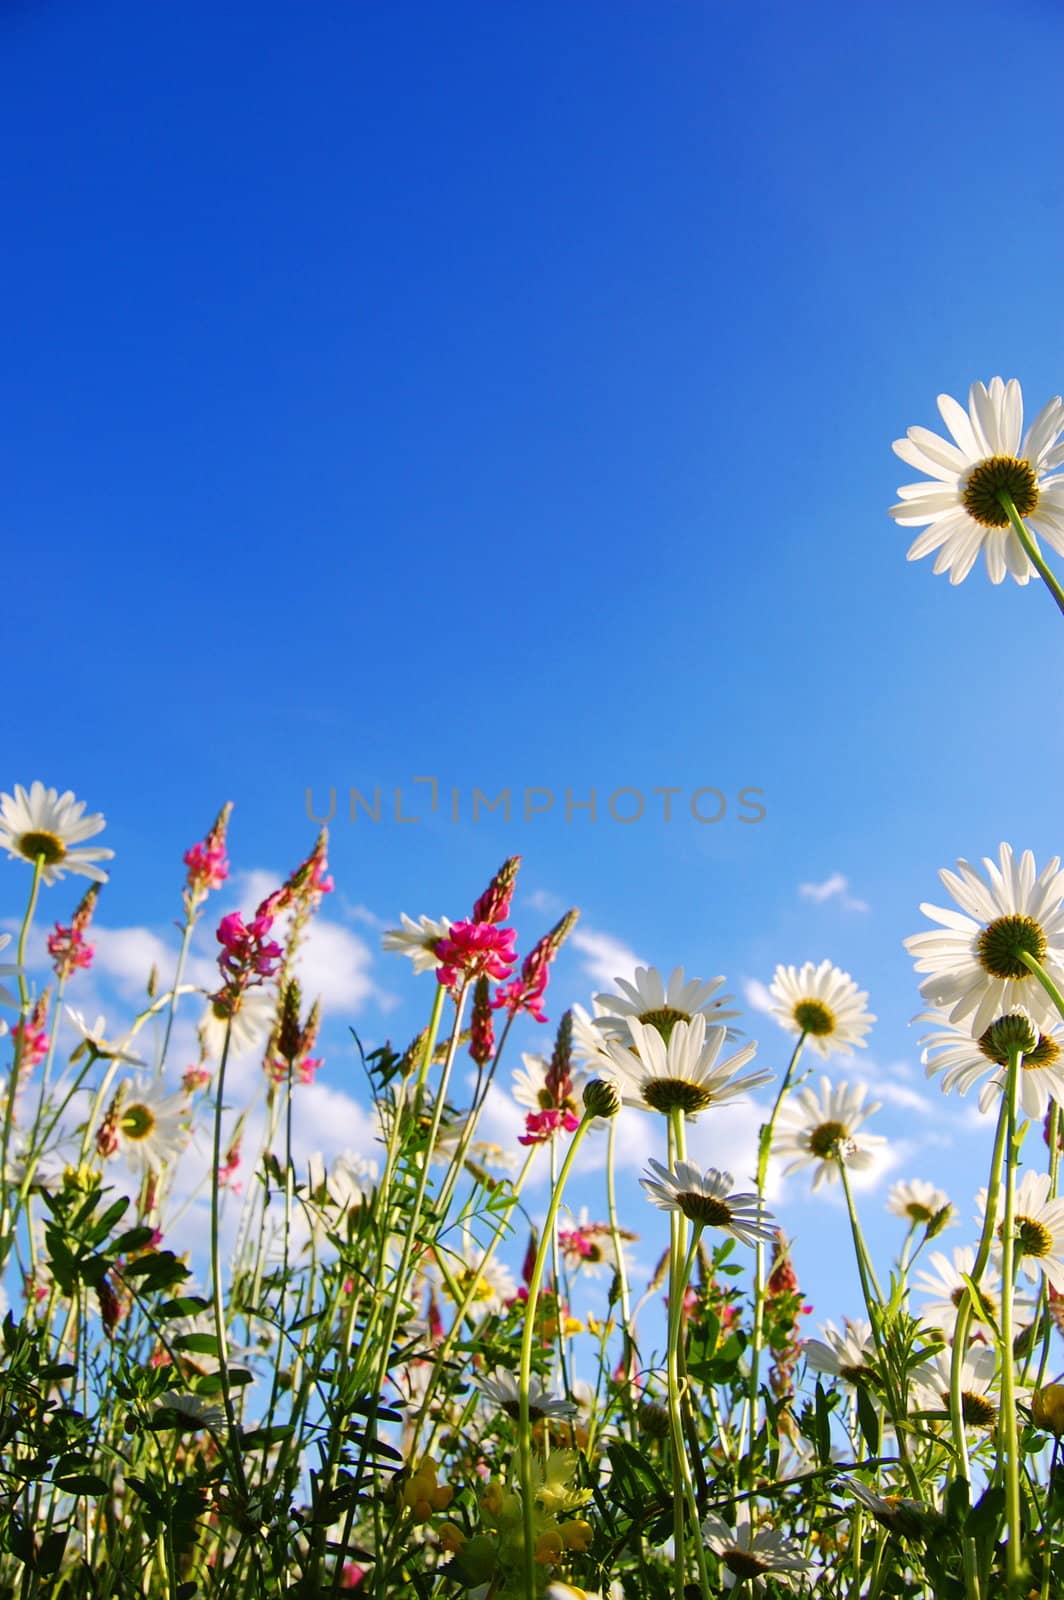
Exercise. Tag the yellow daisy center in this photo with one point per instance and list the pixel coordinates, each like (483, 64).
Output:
(825, 1140)
(814, 1017)
(999, 945)
(744, 1564)
(664, 1019)
(985, 483)
(917, 1212)
(1046, 1052)
(47, 845)
(704, 1208)
(1033, 1237)
(137, 1121)
(676, 1094)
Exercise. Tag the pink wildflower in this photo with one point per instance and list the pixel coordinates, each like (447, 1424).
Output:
(208, 866)
(557, 1099)
(67, 946)
(194, 1078)
(471, 949)
(526, 991)
(494, 904)
(248, 956)
(30, 1037)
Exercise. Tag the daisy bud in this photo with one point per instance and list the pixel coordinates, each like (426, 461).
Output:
(653, 1419)
(601, 1098)
(153, 981)
(1047, 1408)
(939, 1221)
(494, 903)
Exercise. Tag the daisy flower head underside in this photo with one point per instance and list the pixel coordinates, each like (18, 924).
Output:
(820, 1130)
(931, 1385)
(945, 1283)
(989, 457)
(1039, 1229)
(918, 1201)
(754, 1555)
(502, 1388)
(964, 1059)
(682, 1075)
(848, 1354)
(661, 1003)
(824, 1003)
(974, 959)
(706, 1198)
(46, 826)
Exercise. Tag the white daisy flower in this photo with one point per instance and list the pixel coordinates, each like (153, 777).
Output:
(94, 1034)
(1039, 1234)
(946, 1286)
(911, 1518)
(502, 1388)
(495, 1283)
(682, 1075)
(754, 1556)
(346, 1184)
(963, 1059)
(706, 1198)
(7, 970)
(253, 1012)
(930, 1385)
(825, 1004)
(847, 1355)
(194, 1412)
(148, 1127)
(417, 940)
(45, 823)
(986, 456)
(816, 1131)
(529, 1087)
(661, 1003)
(918, 1201)
(973, 962)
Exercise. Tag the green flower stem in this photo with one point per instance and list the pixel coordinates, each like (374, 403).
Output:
(677, 1290)
(182, 957)
(681, 1261)
(216, 1273)
(960, 1334)
(7, 1220)
(524, 1424)
(1034, 555)
(463, 1303)
(764, 1151)
(873, 1299)
(624, 1290)
(1008, 1436)
(1034, 965)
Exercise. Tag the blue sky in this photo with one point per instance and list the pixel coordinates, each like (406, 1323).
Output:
(506, 395)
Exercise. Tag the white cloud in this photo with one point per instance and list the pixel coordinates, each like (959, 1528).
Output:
(605, 957)
(127, 955)
(834, 887)
(757, 996)
(363, 914)
(336, 963)
(894, 1094)
(543, 900)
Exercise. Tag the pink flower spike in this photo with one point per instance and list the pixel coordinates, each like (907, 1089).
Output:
(473, 949)
(494, 904)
